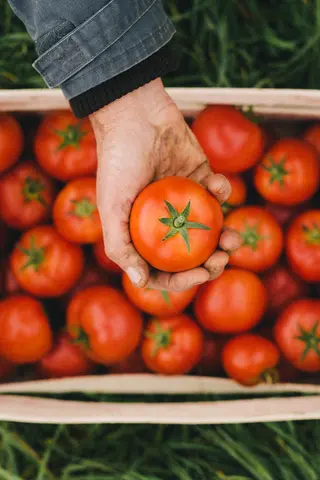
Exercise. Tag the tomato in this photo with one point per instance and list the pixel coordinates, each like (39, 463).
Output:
(175, 224)
(66, 147)
(103, 260)
(262, 238)
(172, 345)
(11, 141)
(250, 359)
(210, 363)
(25, 334)
(6, 369)
(283, 287)
(75, 212)
(26, 196)
(158, 302)
(303, 245)
(10, 283)
(233, 303)
(66, 359)
(238, 193)
(312, 136)
(231, 142)
(132, 364)
(297, 333)
(289, 172)
(283, 213)
(105, 323)
(45, 264)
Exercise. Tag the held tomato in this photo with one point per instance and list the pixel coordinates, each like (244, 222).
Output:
(289, 173)
(11, 141)
(312, 136)
(175, 224)
(172, 345)
(66, 359)
(105, 323)
(45, 264)
(250, 359)
(158, 302)
(26, 196)
(25, 334)
(66, 147)
(75, 212)
(238, 193)
(132, 364)
(297, 333)
(233, 303)
(303, 245)
(103, 260)
(6, 369)
(262, 238)
(231, 142)
(283, 287)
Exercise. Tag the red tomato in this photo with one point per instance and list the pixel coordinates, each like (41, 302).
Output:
(283, 287)
(262, 238)
(158, 302)
(231, 142)
(66, 359)
(283, 213)
(210, 363)
(25, 334)
(10, 283)
(105, 323)
(312, 136)
(233, 303)
(132, 364)
(26, 196)
(250, 359)
(175, 224)
(172, 345)
(45, 264)
(11, 141)
(289, 173)
(103, 260)
(75, 212)
(238, 193)
(6, 369)
(297, 333)
(65, 146)
(303, 245)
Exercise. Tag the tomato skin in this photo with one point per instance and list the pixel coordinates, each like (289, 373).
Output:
(210, 362)
(75, 212)
(78, 158)
(155, 302)
(111, 325)
(283, 213)
(247, 358)
(59, 267)
(11, 285)
(233, 303)
(25, 334)
(303, 251)
(312, 136)
(6, 369)
(11, 141)
(261, 235)
(299, 317)
(132, 364)
(183, 350)
(102, 259)
(238, 193)
(147, 232)
(20, 207)
(283, 287)
(66, 359)
(230, 141)
(301, 177)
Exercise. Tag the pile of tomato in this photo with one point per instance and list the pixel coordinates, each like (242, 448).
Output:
(66, 309)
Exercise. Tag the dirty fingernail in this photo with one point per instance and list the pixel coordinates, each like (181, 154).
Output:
(134, 275)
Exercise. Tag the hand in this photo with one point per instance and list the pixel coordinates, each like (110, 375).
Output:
(143, 137)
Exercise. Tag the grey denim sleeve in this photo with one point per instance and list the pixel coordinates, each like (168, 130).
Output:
(82, 43)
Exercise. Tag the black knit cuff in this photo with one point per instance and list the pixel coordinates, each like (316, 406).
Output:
(160, 63)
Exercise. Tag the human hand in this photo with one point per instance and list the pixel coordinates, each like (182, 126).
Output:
(143, 137)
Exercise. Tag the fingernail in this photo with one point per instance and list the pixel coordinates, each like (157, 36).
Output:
(134, 275)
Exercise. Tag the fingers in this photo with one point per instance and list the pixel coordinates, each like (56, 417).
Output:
(216, 264)
(230, 240)
(217, 184)
(178, 282)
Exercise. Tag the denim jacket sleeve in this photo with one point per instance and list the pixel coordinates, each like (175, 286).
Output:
(83, 43)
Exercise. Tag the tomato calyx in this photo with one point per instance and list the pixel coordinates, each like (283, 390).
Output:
(35, 255)
(226, 208)
(32, 189)
(83, 208)
(276, 170)
(71, 136)
(270, 376)
(312, 234)
(161, 337)
(250, 237)
(311, 340)
(179, 224)
(81, 338)
(166, 297)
